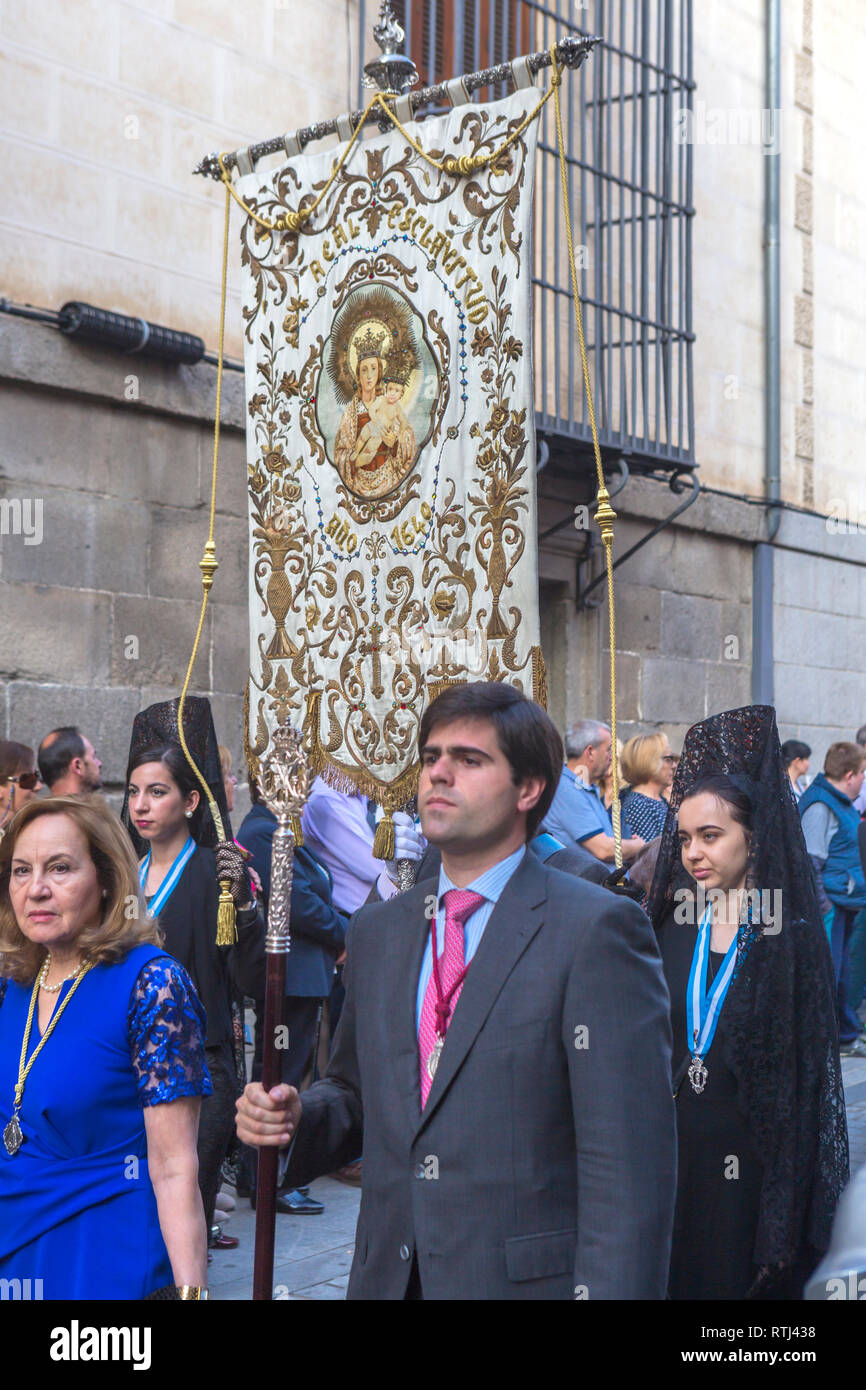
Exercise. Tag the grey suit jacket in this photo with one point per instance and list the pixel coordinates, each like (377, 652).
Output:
(571, 859)
(544, 1163)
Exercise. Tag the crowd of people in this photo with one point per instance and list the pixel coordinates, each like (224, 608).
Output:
(661, 1039)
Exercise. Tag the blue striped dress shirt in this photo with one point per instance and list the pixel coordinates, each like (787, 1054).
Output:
(490, 885)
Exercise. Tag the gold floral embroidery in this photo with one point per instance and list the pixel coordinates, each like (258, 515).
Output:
(390, 506)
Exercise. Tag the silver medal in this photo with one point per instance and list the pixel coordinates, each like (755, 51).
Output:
(433, 1058)
(12, 1136)
(698, 1074)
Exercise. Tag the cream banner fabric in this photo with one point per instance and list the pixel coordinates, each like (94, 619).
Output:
(391, 443)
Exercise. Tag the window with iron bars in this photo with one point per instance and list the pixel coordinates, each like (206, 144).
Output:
(445, 38)
(630, 188)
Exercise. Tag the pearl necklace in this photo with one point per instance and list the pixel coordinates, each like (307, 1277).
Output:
(43, 976)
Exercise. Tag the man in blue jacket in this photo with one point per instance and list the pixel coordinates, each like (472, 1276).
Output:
(830, 825)
(318, 936)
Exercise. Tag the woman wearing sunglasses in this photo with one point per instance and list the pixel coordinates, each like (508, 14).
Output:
(19, 780)
(648, 766)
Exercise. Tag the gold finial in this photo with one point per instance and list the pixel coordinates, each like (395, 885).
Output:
(208, 564)
(605, 516)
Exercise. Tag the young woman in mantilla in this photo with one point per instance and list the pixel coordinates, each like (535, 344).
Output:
(762, 1138)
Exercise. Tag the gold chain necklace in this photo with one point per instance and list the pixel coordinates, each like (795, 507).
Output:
(12, 1135)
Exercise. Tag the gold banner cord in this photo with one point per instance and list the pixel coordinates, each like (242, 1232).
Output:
(226, 925)
(605, 516)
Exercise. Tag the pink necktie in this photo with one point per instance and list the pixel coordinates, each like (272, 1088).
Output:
(460, 903)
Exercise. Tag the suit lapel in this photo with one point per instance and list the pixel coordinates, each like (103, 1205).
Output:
(513, 923)
(402, 967)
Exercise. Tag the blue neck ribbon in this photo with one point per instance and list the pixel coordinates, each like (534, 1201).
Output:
(171, 880)
(703, 1008)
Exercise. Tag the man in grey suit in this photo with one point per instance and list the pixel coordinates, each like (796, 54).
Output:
(546, 847)
(530, 1152)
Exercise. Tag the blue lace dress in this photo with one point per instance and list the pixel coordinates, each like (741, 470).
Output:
(77, 1208)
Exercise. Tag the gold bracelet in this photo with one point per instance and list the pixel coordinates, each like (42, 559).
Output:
(192, 1291)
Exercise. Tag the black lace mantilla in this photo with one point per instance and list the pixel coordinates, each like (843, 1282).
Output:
(778, 1026)
(158, 724)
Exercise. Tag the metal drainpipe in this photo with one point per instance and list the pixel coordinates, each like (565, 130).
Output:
(763, 556)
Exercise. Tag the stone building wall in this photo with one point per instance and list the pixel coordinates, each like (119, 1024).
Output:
(107, 106)
(98, 619)
(684, 620)
(729, 162)
(683, 597)
(832, 245)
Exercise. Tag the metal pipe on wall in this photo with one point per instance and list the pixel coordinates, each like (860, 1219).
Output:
(763, 556)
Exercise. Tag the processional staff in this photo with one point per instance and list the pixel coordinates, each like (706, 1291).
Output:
(284, 785)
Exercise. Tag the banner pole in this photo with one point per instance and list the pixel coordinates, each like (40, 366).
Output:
(284, 787)
(571, 52)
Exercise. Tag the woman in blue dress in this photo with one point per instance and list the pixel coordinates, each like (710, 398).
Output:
(102, 1069)
(183, 860)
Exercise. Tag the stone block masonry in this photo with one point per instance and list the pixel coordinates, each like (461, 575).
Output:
(98, 619)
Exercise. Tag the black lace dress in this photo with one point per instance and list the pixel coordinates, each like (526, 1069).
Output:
(773, 1099)
(719, 1169)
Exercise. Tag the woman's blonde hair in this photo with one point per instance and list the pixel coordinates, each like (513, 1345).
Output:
(124, 922)
(642, 758)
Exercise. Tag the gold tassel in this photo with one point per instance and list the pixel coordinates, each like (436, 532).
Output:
(383, 844)
(227, 932)
(297, 832)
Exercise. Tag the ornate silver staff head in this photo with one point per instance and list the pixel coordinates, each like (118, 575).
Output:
(284, 785)
(284, 781)
(394, 71)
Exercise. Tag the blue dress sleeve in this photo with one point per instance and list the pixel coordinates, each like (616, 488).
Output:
(166, 1033)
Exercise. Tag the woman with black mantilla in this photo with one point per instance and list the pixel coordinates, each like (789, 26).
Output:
(762, 1138)
(170, 825)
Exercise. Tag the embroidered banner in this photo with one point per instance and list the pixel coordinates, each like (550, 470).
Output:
(390, 440)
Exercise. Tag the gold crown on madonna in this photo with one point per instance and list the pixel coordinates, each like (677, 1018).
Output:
(399, 366)
(369, 343)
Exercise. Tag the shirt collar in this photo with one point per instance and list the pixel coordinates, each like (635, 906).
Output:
(578, 781)
(489, 884)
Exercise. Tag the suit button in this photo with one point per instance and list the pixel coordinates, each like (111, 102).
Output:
(405, 1252)
(419, 1170)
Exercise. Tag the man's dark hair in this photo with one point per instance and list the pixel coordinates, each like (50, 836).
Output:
(525, 733)
(793, 748)
(66, 744)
